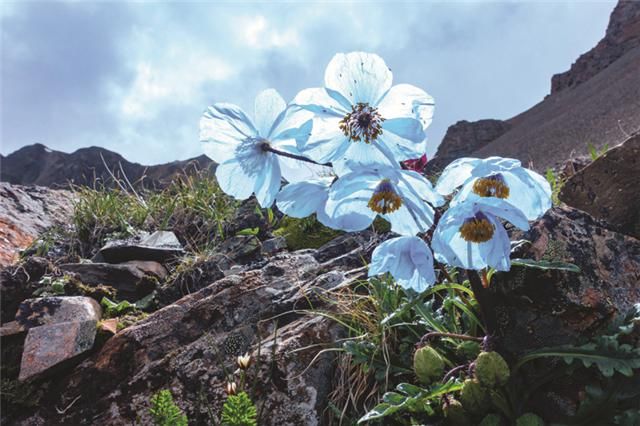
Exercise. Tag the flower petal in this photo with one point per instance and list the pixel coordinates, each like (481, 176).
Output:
(407, 101)
(234, 180)
(222, 127)
(359, 77)
(268, 105)
(302, 199)
(268, 182)
(327, 142)
(319, 101)
(406, 128)
(456, 174)
(407, 259)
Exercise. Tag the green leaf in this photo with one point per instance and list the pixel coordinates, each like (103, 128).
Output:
(165, 412)
(545, 265)
(248, 231)
(270, 216)
(239, 410)
(606, 354)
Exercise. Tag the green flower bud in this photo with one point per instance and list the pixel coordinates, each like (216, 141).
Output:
(455, 414)
(474, 398)
(428, 364)
(491, 420)
(529, 419)
(491, 369)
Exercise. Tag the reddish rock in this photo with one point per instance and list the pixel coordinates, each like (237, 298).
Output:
(26, 212)
(50, 345)
(608, 188)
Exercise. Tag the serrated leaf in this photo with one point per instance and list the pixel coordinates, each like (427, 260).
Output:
(545, 265)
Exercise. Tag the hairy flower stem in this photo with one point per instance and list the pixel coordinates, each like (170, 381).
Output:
(435, 334)
(484, 301)
(269, 148)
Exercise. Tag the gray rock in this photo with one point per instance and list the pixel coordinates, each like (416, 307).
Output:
(241, 249)
(274, 245)
(160, 246)
(182, 346)
(608, 188)
(130, 281)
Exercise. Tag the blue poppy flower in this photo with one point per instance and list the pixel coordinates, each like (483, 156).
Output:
(400, 196)
(360, 119)
(302, 199)
(237, 143)
(470, 235)
(498, 177)
(407, 259)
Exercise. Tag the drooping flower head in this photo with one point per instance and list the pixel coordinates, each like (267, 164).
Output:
(360, 119)
(405, 198)
(407, 259)
(502, 178)
(238, 144)
(470, 235)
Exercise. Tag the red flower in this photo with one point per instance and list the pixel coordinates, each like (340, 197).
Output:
(417, 164)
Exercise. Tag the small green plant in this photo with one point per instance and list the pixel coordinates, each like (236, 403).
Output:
(165, 412)
(51, 286)
(239, 410)
(556, 183)
(595, 153)
(113, 309)
(305, 233)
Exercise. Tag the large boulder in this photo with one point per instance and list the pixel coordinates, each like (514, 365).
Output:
(191, 345)
(608, 188)
(538, 308)
(25, 213)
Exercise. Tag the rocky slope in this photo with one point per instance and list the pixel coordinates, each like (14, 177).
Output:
(38, 165)
(595, 102)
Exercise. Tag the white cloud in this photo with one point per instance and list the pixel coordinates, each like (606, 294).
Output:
(259, 33)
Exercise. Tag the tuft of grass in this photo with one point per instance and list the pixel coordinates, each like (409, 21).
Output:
(192, 206)
(305, 233)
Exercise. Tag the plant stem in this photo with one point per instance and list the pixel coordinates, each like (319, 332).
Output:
(267, 147)
(435, 334)
(484, 302)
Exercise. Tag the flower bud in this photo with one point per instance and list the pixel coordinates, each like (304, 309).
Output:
(491, 370)
(491, 420)
(529, 419)
(474, 398)
(428, 364)
(232, 388)
(243, 361)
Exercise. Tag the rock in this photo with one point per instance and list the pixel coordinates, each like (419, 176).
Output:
(537, 308)
(608, 188)
(130, 281)
(149, 267)
(189, 278)
(25, 213)
(274, 245)
(59, 329)
(623, 35)
(160, 246)
(110, 325)
(50, 345)
(52, 310)
(241, 249)
(11, 328)
(181, 347)
(18, 282)
(463, 138)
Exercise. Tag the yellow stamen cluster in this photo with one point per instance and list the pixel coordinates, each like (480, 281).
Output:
(363, 123)
(477, 230)
(491, 186)
(385, 199)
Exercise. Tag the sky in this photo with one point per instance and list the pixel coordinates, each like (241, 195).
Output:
(135, 77)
